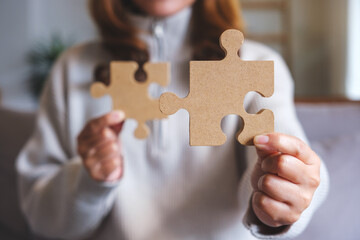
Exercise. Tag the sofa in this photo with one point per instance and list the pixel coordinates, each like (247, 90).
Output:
(15, 128)
(333, 129)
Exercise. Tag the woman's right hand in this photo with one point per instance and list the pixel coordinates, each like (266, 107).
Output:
(100, 147)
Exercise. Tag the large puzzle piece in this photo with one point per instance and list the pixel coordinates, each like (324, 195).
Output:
(131, 96)
(218, 88)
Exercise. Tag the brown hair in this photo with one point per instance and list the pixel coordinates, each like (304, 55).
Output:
(209, 19)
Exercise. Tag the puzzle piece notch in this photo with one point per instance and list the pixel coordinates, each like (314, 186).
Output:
(210, 100)
(131, 96)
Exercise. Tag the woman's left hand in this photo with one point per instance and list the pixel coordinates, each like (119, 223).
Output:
(284, 179)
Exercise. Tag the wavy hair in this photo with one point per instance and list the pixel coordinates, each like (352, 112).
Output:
(209, 19)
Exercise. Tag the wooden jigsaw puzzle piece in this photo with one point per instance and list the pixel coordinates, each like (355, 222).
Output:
(218, 88)
(259, 77)
(131, 96)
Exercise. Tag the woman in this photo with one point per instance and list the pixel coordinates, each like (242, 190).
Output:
(80, 179)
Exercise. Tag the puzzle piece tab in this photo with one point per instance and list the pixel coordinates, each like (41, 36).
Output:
(131, 96)
(218, 88)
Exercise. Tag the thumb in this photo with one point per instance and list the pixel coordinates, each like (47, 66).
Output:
(263, 149)
(118, 126)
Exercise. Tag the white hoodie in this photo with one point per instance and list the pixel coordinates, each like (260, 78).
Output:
(169, 190)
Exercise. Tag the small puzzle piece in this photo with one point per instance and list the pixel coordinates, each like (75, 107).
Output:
(131, 96)
(218, 88)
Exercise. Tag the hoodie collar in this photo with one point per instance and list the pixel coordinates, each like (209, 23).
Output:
(174, 23)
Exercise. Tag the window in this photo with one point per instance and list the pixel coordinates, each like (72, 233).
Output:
(353, 59)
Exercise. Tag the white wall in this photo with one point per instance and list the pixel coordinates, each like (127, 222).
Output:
(70, 18)
(353, 49)
(23, 23)
(14, 42)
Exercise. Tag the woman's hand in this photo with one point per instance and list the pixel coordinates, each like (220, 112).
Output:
(284, 179)
(100, 148)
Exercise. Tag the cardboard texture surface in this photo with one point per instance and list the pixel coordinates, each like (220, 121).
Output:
(131, 96)
(218, 88)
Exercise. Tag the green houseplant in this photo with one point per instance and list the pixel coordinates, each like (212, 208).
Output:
(41, 58)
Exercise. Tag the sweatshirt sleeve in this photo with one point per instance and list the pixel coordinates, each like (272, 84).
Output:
(283, 107)
(57, 196)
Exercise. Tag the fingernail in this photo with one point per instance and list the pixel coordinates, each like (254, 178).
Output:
(118, 115)
(261, 139)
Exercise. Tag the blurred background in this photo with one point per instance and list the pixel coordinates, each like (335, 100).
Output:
(319, 39)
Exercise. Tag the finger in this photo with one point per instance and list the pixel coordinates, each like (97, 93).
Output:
(105, 151)
(101, 153)
(105, 136)
(110, 119)
(94, 165)
(95, 172)
(271, 212)
(115, 175)
(94, 141)
(279, 189)
(110, 170)
(277, 142)
(256, 174)
(285, 166)
(90, 163)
